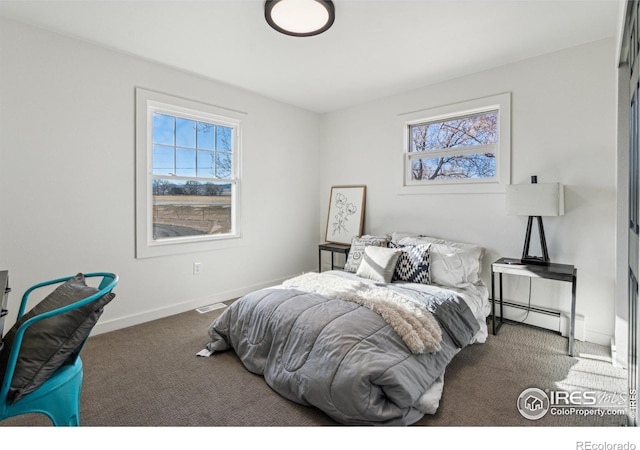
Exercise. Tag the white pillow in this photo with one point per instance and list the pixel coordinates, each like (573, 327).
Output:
(378, 263)
(453, 264)
(397, 236)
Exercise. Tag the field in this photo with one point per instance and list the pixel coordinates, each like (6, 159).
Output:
(184, 215)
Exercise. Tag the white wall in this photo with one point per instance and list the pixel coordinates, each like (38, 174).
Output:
(67, 175)
(67, 179)
(563, 130)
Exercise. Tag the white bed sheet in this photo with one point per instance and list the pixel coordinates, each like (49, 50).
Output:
(476, 296)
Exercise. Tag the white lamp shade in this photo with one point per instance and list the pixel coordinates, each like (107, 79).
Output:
(535, 199)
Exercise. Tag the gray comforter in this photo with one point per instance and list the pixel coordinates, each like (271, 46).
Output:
(339, 356)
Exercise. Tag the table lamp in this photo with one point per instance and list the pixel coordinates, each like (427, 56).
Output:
(535, 200)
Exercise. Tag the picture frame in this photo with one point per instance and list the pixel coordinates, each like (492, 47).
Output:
(345, 218)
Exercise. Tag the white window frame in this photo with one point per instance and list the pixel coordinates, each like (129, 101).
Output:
(502, 149)
(150, 102)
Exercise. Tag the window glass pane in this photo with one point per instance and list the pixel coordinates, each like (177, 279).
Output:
(454, 167)
(224, 139)
(190, 208)
(206, 136)
(163, 128)
(185, 162)
(163, 163)
(223, 165)
(205, 164)
(479, 129)
(185, 133)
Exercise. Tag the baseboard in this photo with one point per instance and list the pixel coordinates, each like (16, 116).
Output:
(614, 353)
(598, 338)
(560, 325)
(618, 357)
(580, 333)
(177, 308)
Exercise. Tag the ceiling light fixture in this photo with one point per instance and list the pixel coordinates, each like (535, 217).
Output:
(300, 17)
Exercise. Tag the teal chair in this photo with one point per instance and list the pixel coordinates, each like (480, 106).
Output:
(58, 396)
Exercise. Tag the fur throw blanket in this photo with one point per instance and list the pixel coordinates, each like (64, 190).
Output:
(414, 324)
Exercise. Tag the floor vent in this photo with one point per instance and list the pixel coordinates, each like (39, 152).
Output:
(206, 309)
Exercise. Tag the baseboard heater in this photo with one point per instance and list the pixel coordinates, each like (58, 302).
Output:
(541, 317)
(536, 309)
(532, 309)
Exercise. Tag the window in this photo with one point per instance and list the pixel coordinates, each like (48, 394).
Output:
(187, 174)
(458, 145)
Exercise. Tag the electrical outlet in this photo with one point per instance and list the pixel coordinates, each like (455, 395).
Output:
(196, 268)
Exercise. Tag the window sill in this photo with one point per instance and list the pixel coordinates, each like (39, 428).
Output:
(181, 246)
(463, 188)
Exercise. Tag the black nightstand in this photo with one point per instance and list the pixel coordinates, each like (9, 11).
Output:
(560, 272)
(333, 248)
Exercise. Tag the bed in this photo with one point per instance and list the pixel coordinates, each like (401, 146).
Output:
(368, 345)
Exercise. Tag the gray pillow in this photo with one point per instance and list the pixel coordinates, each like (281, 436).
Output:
(50, 343)
(356, 252)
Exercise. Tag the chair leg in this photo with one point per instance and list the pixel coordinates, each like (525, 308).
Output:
(64, 409)
(66, 417)
(59, 402)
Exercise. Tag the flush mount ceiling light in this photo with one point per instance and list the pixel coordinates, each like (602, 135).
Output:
(300, 17)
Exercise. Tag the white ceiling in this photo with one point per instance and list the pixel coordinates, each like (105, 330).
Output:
(375, 48)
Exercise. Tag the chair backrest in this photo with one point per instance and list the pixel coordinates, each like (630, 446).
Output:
(106, 285)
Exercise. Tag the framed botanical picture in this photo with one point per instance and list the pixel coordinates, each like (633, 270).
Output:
(346, 213)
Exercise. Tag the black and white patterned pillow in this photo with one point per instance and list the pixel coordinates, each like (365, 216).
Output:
(413, 263)
(356, 252)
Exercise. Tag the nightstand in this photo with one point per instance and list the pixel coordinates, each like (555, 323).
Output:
(333, 248)
(560, 272)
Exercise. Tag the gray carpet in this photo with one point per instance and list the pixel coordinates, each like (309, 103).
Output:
(148, 375)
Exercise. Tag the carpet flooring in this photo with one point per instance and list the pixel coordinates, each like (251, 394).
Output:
(149, 376)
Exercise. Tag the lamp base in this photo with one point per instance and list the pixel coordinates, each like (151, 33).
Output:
(535, 260)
